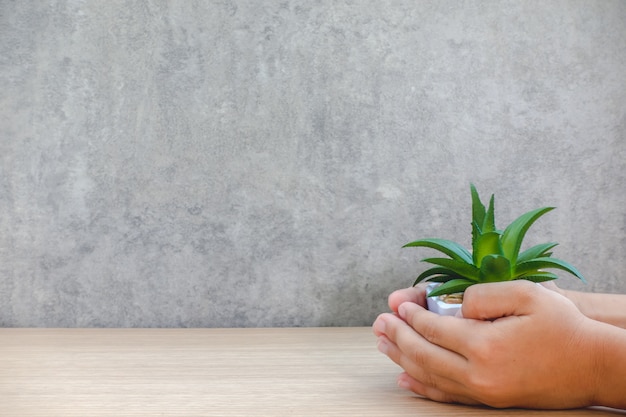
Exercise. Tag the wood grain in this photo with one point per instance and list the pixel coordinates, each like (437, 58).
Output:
(210, 372)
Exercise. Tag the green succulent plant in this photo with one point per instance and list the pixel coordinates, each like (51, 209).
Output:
(495, 254)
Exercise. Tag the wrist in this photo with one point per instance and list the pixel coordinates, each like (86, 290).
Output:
(607, 308)
(610, 366)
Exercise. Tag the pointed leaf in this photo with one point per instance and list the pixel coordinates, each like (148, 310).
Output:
(442, 278)
(461, 268)
(478, 213)
(434, 271)
(486, 244)
(536, 265)
(514, 234)
(438, 278)
(537, 251)
(450, 248)
(478, 208)
(489, 223)
(539, 277)
(451, 287)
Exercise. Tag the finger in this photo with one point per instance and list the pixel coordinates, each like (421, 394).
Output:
(415, 295)
(427, 379)
(499, 299)
(448, 332)
(431, 364)
(406, 381)
(379, 325)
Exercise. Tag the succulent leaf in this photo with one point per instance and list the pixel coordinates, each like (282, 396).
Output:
(467, 270)
(476, 231)
(448, 247)
(514, 234)
(532, 266)
(495, 268)
(489, 224)
(439, 279)
(434, 272)
(451, 287)
(536, 251)
(540, 276)
(443, 278)
(478, 209)
(486, 244)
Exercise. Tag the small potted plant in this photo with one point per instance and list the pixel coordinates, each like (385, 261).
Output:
(495, 257)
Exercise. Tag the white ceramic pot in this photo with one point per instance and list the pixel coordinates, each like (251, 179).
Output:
(439, 306)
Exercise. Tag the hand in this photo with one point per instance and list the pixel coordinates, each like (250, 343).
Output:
(415, 295)
(517, 345)
(607, 308)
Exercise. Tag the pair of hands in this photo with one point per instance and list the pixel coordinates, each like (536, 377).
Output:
(516, 344)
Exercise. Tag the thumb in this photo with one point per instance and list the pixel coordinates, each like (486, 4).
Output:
(491, 301)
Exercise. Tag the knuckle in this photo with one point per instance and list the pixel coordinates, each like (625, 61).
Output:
(491, 386)
(488, 389)
(483, 386)
(419, 360)
(425, 376)
(430, 329)
(483, 349)
(525, 290)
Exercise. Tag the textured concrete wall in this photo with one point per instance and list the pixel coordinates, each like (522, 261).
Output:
(260, 163)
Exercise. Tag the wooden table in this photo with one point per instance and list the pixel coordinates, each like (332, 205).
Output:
(211, 372)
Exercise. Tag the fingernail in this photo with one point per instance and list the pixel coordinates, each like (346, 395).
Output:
(382, 345)
(402, 311)
(379, 326)
(404, 384)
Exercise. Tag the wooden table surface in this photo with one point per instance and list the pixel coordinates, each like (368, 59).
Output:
(211, 372)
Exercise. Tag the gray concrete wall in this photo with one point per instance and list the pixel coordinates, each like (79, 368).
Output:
(261, 163)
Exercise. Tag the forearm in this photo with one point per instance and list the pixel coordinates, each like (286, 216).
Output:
(607, 308)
